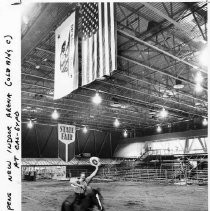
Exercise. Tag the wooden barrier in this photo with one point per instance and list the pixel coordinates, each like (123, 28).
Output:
(155, 175)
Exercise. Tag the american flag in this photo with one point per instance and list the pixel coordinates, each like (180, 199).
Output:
(98, 42)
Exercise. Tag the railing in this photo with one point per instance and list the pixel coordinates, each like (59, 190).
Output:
(155, 175)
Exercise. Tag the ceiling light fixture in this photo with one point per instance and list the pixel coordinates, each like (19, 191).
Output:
(125, 133)
(178, 84)
(198, 88)
(198, 77)
(55, 114)
(30, 124)
(159, 129)
(37, 67)
(204, 57)
(50, 92)
(165, 95)
(205, 122)
(116, 123)
(25, 19)
(163, 113)
(85, 129)
(97, 99)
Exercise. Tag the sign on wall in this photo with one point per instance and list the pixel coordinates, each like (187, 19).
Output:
(66, 135)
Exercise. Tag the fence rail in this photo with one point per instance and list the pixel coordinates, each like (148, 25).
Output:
(158, 175)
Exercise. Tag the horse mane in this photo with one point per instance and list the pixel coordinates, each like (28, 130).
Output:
(95, 191)
(68, 205)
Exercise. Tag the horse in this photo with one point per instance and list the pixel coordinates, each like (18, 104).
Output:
(92, 198)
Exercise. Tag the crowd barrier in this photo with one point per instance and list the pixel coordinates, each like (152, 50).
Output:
(173, 175)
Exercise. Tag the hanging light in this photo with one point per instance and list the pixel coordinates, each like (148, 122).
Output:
(165, 95)
(205, 122)
(204, 57)
(178, 84)
(159, 129)
(25, 19)
(85, 129)
(198, 88)
(163, 113)
(37, 67)
(125, 133)
(30, 124)
(198, 78)
(55, 114)
(97, 99)
(116, 123)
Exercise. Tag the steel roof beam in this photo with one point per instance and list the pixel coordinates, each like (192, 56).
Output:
(109, 118)
(39, 77)
(156, 70)
(108, 93)
(155, 96)
(80, 107)
(198, 24)
(44, 87)
(104, 106)
(161, 14)
(158, 49)
(161, 85)
(159, 24)
(175, 109)
(48, 121)
(136, 10)
(149, 105)
(45, 50)
(157, 92)
(42, 65)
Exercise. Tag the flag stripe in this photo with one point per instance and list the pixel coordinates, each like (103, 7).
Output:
(101, 39)
(99, 35)
(109, 36)
(113, 49)
(106, 40)
(87, 62)
(90, 55)
(95, 55)
(84, 69)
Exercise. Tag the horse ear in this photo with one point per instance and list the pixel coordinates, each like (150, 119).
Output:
(98, 190)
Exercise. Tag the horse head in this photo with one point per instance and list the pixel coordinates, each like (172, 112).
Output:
(92, 198)
(97, 199)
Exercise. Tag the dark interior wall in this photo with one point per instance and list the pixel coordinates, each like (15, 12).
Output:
(194, 124)
(42, 141)
(98, 143)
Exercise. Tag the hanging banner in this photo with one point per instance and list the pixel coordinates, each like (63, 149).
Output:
(66, 61)
(66, 136)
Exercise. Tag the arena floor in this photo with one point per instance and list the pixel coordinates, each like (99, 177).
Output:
(119, 196)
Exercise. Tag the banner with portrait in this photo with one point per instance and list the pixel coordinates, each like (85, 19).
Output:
(66, 58)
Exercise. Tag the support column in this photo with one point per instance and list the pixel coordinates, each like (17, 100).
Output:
(110, 140)
(186, 147)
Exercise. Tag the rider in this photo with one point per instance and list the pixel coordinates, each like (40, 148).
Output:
(81, 184)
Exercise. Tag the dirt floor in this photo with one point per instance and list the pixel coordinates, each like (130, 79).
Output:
(119, 196)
